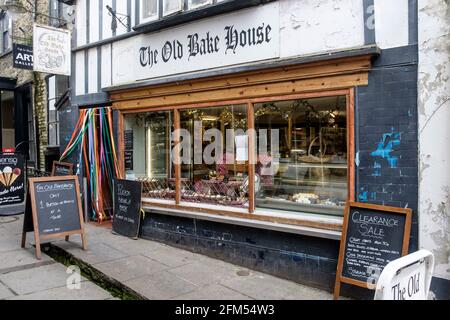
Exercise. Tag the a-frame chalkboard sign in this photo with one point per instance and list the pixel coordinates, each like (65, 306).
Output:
(62, 168)
(53, 210)
(372, 236)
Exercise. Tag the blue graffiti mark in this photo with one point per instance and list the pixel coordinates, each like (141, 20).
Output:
(385, 147)
(365, 196)
(377, 169)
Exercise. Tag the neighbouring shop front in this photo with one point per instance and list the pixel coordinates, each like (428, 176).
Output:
(16, 119)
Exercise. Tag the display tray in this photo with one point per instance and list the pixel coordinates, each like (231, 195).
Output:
(314, 183)
(279, 204)
(325, 165)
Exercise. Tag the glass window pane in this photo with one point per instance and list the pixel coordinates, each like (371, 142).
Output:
(52, 87)
(171, 6)
(198, 3)
(149, 9)
(52, 134)
(147, 153)
(302, 155)
(62, 85)
(214, 166)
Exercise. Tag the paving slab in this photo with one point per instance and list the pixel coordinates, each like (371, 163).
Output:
(87, 291)
(265, 287)
(12, 224)
(160, 286)
(9, 243)
(205, 272)
(172, 257)
(5, 292)
(130, 267)
(21, 258)
(36, 279)
(133, 247)
(213, 292)
(96, 252)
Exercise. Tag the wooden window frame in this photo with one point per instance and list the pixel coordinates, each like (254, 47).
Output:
(250, 213)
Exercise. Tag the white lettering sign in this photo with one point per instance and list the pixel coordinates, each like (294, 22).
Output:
(232, 39)
(407, 278)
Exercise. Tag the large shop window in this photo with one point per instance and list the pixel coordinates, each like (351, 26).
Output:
(300, 155)
(215, 161)
(307, 169)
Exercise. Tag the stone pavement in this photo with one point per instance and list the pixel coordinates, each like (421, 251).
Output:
(23, 277)
(158, 271)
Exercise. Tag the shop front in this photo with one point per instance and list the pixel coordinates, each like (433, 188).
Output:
(251, 129)
(244, 154)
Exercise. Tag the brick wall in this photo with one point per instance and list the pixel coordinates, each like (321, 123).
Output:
(386, 137)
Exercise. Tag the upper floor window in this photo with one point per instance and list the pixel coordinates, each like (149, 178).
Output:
(5, 32)
(60, 10)
(149, 10)
(198, 3)
(172, 6)
(57, 87)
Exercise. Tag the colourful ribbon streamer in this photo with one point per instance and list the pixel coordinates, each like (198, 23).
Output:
(93, 137)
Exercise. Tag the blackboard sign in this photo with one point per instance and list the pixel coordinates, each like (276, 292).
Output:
(372, 237)
(12, 184)
(62, 168)
(55, 209)
(127, 207)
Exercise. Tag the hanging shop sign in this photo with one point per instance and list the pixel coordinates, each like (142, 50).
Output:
(51, 47)
(12, 184)
(237, 38)
(22, 56)
(62, 168)
(127, 207)
(53, 210)
(372, 236)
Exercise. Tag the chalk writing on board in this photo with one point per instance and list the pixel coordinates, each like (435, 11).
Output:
(374, 239)
(127, 201)
(54, 187)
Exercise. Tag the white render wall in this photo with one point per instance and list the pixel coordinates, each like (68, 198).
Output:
(305, 27)
(434, 131)
(312, 26)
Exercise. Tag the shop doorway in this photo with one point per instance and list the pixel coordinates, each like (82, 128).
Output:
(8, 137)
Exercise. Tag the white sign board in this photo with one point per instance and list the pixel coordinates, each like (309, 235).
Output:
(407, 278)
(241, 37)
(51, 47)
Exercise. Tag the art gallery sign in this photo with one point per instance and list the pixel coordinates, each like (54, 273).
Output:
(51, 47)
(232, 39)
(22, 56)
